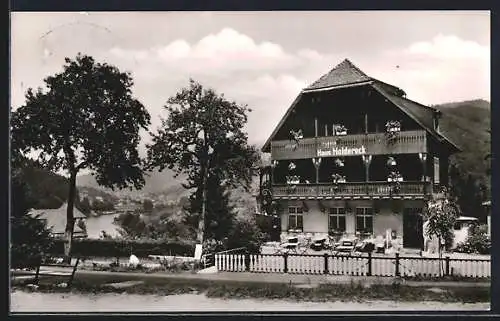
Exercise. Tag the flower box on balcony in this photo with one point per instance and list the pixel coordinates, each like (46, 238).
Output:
(393, 126)
(340, 130)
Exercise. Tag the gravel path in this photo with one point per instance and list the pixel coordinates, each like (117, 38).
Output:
(56, 302)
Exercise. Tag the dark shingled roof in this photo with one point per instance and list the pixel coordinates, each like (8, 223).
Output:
(56, 219)
(346, 74)
(422, 114)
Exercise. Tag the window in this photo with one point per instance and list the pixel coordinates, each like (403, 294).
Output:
(436, 170)
(295, 219)
(364, 219)
(336, 219)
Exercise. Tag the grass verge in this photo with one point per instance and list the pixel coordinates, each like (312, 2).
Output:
(239, 290)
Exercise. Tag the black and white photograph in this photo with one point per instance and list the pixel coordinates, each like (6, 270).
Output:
(250, 161)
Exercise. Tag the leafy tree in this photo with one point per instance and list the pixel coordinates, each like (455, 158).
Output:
(131, 225)
(203, 137)
(164, 223)
(441, 216)
(86, 118)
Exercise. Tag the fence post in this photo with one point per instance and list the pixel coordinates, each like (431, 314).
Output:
(397, 264)
(247, 261)
(447, 266)
(285, 258)
(369, 264)
(326, 263)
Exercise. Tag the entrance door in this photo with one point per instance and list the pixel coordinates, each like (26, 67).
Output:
(412, 228)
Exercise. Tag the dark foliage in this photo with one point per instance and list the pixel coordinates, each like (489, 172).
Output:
(29, 237)
(477, 241)
(124, 248)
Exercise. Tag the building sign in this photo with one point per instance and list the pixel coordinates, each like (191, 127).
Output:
(341, 151)
(436, 170)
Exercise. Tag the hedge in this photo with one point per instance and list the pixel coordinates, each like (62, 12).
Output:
(123, 248)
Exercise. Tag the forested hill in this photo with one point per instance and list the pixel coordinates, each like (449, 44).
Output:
(467, 124)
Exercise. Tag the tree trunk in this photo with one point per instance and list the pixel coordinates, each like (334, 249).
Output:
(201, 222)
(70, 221)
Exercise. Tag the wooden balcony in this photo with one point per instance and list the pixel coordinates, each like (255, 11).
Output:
(352, 190)
(405, 142)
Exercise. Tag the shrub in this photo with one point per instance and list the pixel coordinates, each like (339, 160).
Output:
(30, 241)
(123, 248)
(246, 233)
(477, 241)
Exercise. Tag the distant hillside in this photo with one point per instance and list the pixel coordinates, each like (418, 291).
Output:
(157, 182)
(48, 190)
(467, 124)
(92, 193)
(477, 103)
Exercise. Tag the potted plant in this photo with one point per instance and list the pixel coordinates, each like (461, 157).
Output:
(394, 176)
(340, 130)
(392, 128)
(337, 178)
(292, 182)
(296, 135)
(391, 161)
(339, 162)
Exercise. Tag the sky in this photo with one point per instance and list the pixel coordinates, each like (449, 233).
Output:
(262, 59)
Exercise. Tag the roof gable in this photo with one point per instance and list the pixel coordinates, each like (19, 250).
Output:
(345, 73)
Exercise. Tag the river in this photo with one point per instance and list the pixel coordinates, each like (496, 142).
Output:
(96, 224)
(72, 302)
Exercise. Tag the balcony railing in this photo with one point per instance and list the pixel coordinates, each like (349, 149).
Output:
(352, 189)
(405, 142)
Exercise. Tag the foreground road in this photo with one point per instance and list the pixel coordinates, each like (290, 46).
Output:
(57, 302)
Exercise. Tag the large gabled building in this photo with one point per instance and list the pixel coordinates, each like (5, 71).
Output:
(352, 156)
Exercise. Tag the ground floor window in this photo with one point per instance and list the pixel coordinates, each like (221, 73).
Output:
(364, 220)
(295, 219)
(336, 219)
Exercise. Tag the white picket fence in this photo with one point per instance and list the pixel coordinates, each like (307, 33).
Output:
(354, 265)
